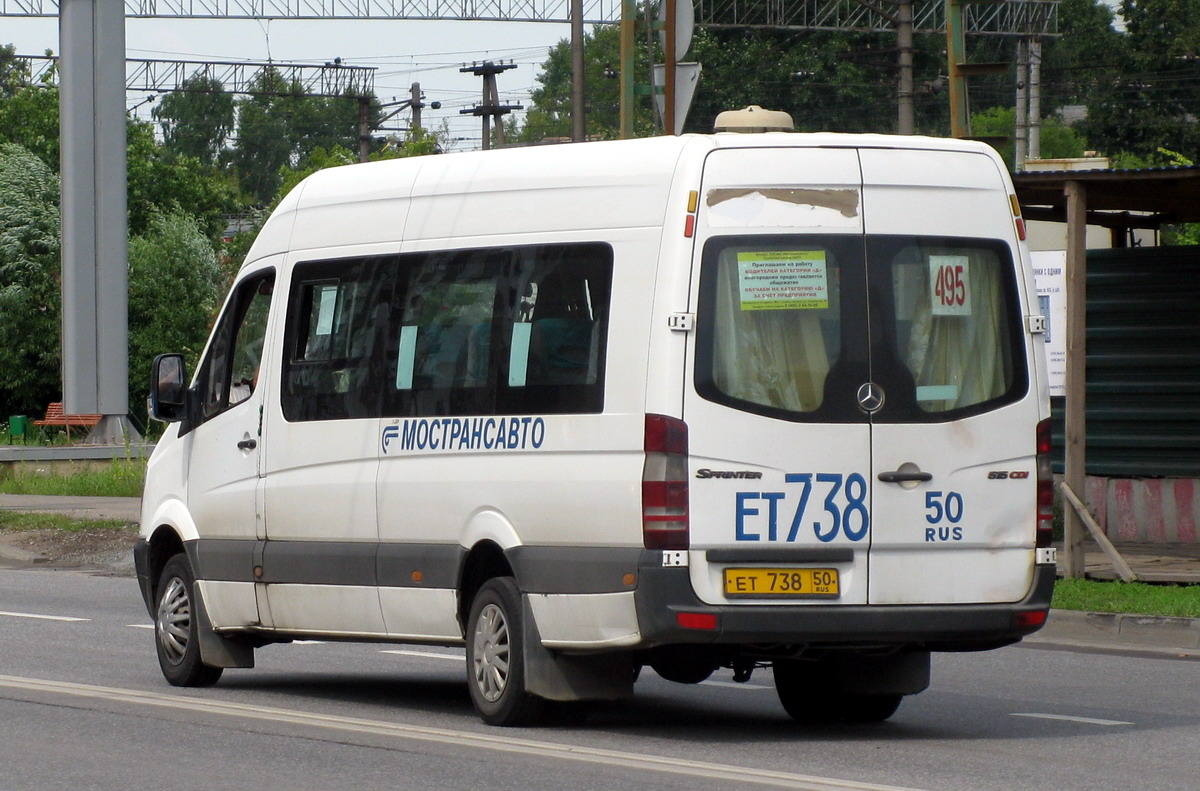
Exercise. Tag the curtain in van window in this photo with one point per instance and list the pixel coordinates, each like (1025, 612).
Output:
(957, 349)
(776, 310)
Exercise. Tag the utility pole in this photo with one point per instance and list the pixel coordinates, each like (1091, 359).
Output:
(578, 126)
(1035, 98)
(491, 107)
(905, 124)
(414, 102)
(1021, 130)
(669, 67)
(628, 41)
(364, 129)
(959, 69)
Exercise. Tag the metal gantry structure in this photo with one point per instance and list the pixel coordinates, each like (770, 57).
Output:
(238, 77)
(999, 17)
(595, 11)
(1002, 17)
(166, 76)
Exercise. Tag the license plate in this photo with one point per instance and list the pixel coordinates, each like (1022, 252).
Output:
(782, 583)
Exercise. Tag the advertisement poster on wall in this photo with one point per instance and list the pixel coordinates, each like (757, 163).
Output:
(1050, 276)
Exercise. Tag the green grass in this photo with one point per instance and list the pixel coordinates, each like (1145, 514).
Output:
(119, 478)
(14, 521)
(1181, 601)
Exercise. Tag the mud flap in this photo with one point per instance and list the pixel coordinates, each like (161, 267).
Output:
(556, 676)
(215, 650)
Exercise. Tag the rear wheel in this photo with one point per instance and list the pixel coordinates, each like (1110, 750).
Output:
(496, 657)
(176, 628)
(810, 698)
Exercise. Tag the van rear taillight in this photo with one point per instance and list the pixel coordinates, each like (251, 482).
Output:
(1045, 488)
(665, 484)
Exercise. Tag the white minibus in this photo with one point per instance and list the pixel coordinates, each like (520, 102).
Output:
(730, 401)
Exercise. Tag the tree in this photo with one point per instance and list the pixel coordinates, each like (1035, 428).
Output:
(827, 81)
(30, 300)
(1088, 57)
(549, 113)
(173, 283)
(263, 145)
(197, 119)
(1058, 140)
(420, 142)
(28, 109)
(278, 125)
(1152, 101)
(160, 182)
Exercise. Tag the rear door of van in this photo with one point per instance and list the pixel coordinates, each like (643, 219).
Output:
(861, 420)
(780, 453)
(953, 447)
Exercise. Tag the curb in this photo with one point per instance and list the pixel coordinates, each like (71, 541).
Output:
(1120, 630)
(22, 556)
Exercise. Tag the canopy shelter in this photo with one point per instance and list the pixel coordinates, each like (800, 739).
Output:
(1119, 200)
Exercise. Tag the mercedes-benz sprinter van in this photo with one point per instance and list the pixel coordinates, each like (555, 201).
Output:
(734, 400)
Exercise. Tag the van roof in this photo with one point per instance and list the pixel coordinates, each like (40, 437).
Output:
(604, 184)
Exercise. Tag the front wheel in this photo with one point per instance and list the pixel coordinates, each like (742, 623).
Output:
(496, 658)
(177, 629)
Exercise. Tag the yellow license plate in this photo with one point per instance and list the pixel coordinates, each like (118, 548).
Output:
(782, 583)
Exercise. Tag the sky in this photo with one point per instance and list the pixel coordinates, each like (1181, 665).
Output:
(404, 51)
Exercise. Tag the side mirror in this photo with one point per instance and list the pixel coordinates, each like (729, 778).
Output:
(168, 388)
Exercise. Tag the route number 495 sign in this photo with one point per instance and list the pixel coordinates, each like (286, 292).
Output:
(950, 285)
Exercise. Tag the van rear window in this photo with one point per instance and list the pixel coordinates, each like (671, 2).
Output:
(791, 327)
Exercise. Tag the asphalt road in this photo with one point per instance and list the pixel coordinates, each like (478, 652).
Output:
(82, 706)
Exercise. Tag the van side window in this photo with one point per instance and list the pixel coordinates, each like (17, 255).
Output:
(229, 374)
(490, 331)
(558, 330)
(338, 315)
(502, 331)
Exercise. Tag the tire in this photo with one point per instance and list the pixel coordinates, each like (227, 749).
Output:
(496, 658)
(176, 629)
(868, 708)
(809, 699)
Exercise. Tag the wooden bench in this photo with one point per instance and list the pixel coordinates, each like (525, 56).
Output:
(56, 417)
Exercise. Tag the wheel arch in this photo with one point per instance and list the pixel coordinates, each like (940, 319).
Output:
(484, 561)
(164, 543)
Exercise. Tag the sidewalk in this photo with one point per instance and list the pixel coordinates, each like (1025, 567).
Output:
(126, 508)
(1152, 635)
(1151, 562)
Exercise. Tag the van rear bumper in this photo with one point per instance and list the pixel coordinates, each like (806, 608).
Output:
(664, 594)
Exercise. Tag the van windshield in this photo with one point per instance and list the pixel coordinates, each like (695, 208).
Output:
(791, 326)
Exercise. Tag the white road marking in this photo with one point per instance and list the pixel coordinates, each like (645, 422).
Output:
(44, 617)
(1070, 718)
(502, 742)
(734, 685)
(426, 654)
(140, 625)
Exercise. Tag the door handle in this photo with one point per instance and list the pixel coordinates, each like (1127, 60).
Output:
(896, 476)
(247, 444)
